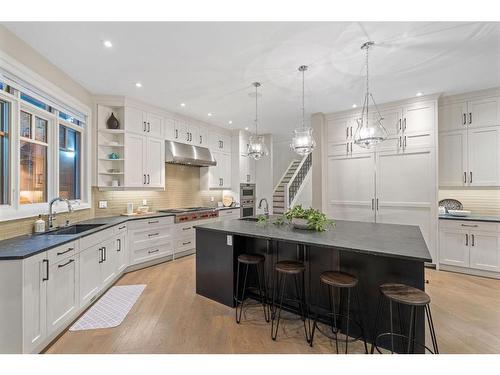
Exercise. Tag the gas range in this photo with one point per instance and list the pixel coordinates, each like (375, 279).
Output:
(192, 213)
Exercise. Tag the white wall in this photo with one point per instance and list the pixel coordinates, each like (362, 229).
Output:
(264, 175)
(304, 197)
(283, 156)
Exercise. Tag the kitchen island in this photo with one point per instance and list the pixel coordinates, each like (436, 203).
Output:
(374, 253)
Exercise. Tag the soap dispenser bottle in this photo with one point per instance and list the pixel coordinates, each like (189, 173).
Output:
(39, 225)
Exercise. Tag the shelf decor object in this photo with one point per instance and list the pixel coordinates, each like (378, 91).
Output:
(112, 122)
(256, 147)
(370, 130)
(303, 142)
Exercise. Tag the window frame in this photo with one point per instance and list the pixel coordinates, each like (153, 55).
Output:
(4, 97)
(14, 210)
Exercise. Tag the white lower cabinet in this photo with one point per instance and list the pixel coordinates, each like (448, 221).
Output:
(150, 239)
(62, 293)
(472, 246)
(90, 275)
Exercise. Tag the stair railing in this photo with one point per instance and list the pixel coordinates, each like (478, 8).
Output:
(293, 185)
(283, 176)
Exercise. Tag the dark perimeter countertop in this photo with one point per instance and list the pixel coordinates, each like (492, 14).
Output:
(399, 241)
(32, 244)
(489, 219)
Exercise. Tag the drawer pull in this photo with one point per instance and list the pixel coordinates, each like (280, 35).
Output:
(46, 278)
(65, 264)
(186, 243)
(466, 239)
(153, 222)
(66, 251)
(153, 251)
(153, 234)
(188, 228)
(120, 228)
(473, 240)
(470, 225)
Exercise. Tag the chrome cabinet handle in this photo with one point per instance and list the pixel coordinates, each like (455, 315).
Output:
(470, 225)
(472, 237)
(399, 141)
(120, 228)
(351, 147)
(105, 252)
(404, 124)
(186, 228)
(66, 251)
(377, 203)
(119, 244)
(153, 251)
(373, 202)
(153, 234)
(470, 117)
(201, 139)
(65, 264)
(148, 179)
(101, 254)
(153, 222)
(46, 278)
(404, 146)
(470, 177)
(465, 177)
(466, 239)
(144, 126)
(144, 180)
(399, 124)
(465, 119)
(176, 133)
(347, 132)
(186, 243)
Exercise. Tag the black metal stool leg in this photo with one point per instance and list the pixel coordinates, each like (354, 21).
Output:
(335, 321)
(347, 320)
(361, 322)
(236, 299)
(375, 328)
(274, 335)
(261, 292)
(301, 301)
(431, 329)
(238, 318)
(411, 333)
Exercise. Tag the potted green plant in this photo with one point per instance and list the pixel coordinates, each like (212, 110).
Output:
(301, 218)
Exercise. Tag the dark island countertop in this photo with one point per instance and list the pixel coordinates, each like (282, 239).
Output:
(28, 245)
(485, 218)
(389, 240)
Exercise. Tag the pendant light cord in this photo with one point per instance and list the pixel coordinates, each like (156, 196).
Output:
(303, 101)
(256, 107)
(367, 101)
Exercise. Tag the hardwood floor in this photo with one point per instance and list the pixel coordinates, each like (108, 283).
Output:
(170, 318)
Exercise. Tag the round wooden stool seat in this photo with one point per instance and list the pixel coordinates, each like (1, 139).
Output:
(405, 294)
(251, 258)
(338, 279)
(290, 266)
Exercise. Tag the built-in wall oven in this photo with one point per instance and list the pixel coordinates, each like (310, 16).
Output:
(247, 200)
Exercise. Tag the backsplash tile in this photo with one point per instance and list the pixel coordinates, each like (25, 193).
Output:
(479, 201)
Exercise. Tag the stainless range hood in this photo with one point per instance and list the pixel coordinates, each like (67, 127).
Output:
(181, 153)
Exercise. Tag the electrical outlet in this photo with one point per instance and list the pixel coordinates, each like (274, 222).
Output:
(103, 204)
(144, 202)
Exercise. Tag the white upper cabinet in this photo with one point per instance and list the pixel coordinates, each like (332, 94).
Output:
(484, 112)
(453, 158)
(484, 156)
(169, 129)
(142, 122)
(154, 163)
(185, 132)
(135, 146)
(341, 130)
(154, 125)
(220, 142)
(452, 116)
(392, 121)
(201, 137)
(419, 118)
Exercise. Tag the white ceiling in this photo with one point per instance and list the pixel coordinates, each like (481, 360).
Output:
(210, 66)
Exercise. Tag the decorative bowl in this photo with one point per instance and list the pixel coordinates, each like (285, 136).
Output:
(299, 223)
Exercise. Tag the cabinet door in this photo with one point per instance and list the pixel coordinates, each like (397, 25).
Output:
(392, 121)
(169, 129)
(485, 251)
(62, 293)
(453, 158)
(155, 125)
(225, 171)
(452, 116)
(155, 163)
(341, 130)
(419, 118)
(109, 262)
(252, 166)
(90, 274)
(192, 134)
(216, 142)
(244, 169)
(214, 178)
(35, 275)
(454, 247)
(226, 143)
(121, 247)
(202, 137)
(135, 120)
(351, 188)
(180, 131)
(484, 154)
(484, 112)
(134, 160)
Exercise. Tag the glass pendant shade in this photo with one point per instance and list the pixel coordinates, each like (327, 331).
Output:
(257, 147)
(303, 142)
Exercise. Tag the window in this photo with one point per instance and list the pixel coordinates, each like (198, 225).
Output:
(69, 163)
(36, 102)
(33, 159)
(70, 119)
(4, 152)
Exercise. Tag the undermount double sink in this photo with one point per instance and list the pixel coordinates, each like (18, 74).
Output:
(72, 229)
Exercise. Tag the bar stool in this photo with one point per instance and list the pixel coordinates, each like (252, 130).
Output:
(342, 282)
(296, 269)
(402, 294)
(258, 261)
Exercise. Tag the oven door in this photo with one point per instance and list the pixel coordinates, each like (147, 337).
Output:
(247, 211)
(247, 192)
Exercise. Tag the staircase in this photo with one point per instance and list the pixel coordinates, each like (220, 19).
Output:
(289, 185)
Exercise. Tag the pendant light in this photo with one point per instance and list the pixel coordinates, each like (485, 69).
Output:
(370, 130)
(303, 142)
(256, 147)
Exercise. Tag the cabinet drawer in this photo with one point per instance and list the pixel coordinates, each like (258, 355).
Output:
(150, 223)
(140, 239)
(229, 213)
(120, 229)
(185, 230)
(143, 255)
(62, 252)
(184, 244)
(96, 238)
(469, 225)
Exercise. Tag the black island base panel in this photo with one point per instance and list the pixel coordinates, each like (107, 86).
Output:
(218, 246)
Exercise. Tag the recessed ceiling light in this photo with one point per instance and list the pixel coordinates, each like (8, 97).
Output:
(209, 114)
(419, 94)
(246, 127)
(138, 84)
(107, 43)
(230, 122)
(354, 106)
(183, 104)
